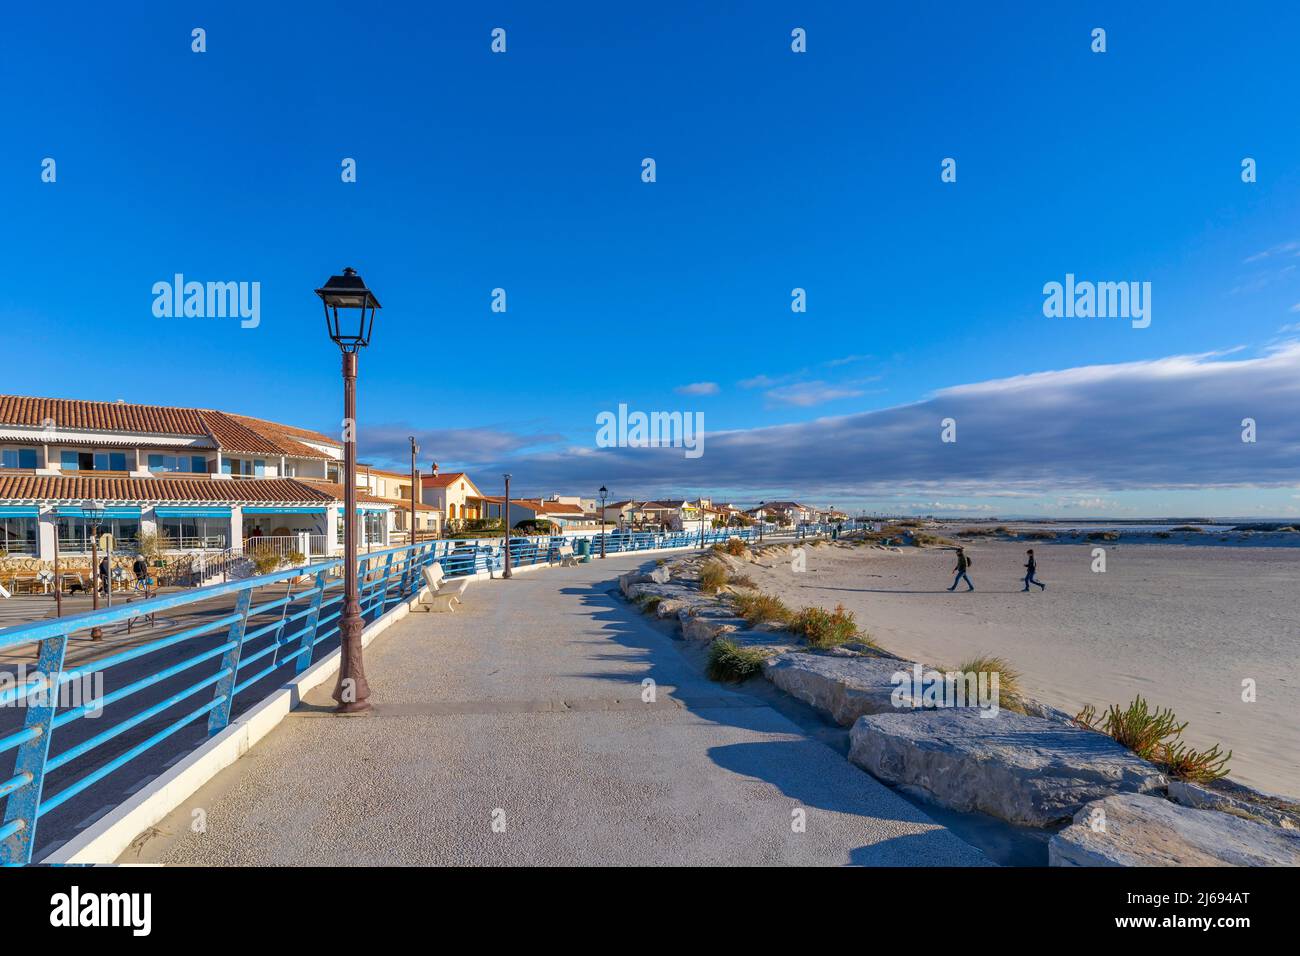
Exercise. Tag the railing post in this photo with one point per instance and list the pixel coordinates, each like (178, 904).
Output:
(381, 604)
(312, 622)
(23, 804)
(225, 689)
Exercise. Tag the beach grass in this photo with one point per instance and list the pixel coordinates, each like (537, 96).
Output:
(730, 662)
(823, 628)
(713, 575)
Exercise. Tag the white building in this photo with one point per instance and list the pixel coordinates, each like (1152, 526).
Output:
(208, 480)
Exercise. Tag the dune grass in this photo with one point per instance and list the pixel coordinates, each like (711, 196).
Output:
(713, 575)
(823, 628)
(1008, 676)
(730, 662)
(756, 608)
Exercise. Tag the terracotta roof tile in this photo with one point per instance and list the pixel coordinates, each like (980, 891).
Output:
(100, 416)
(61, 488)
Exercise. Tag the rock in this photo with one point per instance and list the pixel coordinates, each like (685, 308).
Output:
(626, 582)
(845, 688)
(707, 623)
(1035, 708)
(1026, 770)
(1241, 801)
(661, 575)
(1134, 830)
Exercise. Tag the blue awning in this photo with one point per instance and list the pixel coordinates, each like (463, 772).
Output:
(121, 512)
(19, 511)
(192, 512)
(283, 511)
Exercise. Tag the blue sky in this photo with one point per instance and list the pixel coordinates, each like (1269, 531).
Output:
(775, 170)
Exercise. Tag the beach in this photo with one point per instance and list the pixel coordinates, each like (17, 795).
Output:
(1183, 626)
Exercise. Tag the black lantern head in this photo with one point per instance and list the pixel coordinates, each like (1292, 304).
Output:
(349, 310)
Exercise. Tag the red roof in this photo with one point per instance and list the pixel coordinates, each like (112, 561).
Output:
(236, 433)
(267, 490)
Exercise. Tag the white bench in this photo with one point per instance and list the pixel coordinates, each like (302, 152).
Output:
(439, 595)
(566, 556)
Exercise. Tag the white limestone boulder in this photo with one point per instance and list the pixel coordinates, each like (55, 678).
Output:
(1136, 830)
(1241, 801)
(844, 688)
(1026, 770)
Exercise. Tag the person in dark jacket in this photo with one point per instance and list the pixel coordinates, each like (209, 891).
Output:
(963, 563)
(103, 574)
(1031, 567)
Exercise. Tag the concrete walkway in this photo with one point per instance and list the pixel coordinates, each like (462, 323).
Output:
(525, 710)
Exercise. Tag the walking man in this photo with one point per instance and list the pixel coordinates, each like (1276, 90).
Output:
(1031, 567)
(963, 563)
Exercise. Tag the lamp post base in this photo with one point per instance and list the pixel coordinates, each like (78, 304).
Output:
(352, 691)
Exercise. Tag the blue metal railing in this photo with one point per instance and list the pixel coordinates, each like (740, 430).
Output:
(223, 627)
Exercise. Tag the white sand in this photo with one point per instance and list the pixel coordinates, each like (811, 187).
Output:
(1182, 626)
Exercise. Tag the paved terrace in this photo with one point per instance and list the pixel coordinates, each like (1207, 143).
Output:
(528, 701)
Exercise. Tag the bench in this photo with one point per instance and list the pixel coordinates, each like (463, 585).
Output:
(439, 595)
(564, 554)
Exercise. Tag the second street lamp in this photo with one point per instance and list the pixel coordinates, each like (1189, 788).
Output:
(350, 316)
(604, 492)
(505, 521)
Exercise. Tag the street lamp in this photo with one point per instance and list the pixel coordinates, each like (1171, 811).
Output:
(762, 519)
(415, 481)
(604, 492)
(701, 504)
(350, 318)
(507, 573)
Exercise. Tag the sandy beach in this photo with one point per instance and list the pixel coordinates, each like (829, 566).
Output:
(1182, 626)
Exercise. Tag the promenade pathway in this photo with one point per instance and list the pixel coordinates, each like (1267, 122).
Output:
(525, 711)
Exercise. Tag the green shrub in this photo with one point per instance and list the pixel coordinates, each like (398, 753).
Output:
(1138, 728)
(1199, 766)
(823, 628)
(296, 559)
(729, 661)
(1154, 737)
(264, 561)
(713, 575)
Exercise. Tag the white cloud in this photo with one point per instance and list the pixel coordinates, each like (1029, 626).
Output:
(807, 394)
(1159, 424)
(698, 388)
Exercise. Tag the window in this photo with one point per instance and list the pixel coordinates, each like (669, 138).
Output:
(71, 460)
(75, 532)
(18, 535)
(18, 458)
(196, 464)
(243, 467)
(197, 532)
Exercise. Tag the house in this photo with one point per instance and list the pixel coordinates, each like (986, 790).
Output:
(396, 487)
(784, 512)
(458, 499)
(565, 515)
(203, 479)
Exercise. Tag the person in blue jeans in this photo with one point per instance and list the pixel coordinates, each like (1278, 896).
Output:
(963, 563)
(1031, 568)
